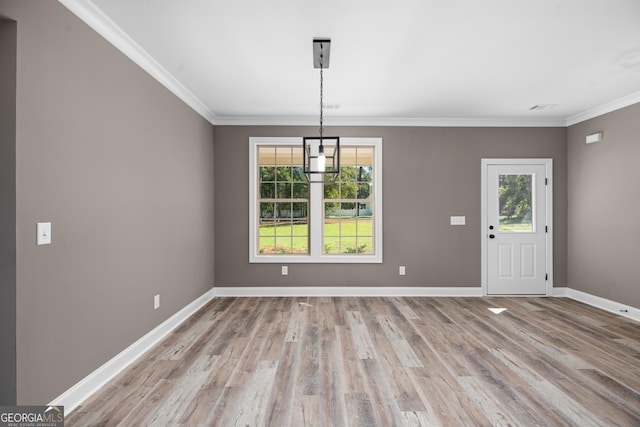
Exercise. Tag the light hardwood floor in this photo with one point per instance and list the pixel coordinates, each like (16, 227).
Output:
(382, 362)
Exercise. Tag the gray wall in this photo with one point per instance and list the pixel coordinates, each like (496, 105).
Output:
(123, 169)
(604, 202)
(7, 212)
(429, 175)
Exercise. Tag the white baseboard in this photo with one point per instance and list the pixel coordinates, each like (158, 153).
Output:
(82, 390)
(346, 291)
(408, 291)
(604, 304)
(559, 292)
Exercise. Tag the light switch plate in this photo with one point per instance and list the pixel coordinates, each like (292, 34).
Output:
(458, 220)
(43, 230)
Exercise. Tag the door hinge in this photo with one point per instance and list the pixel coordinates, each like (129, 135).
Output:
(546, 228)
(546, 277)
(546, 181)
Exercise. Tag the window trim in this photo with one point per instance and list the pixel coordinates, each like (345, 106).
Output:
(316, 222)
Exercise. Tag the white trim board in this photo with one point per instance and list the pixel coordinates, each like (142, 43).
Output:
(411, 291)
(601, 303)
(548, 163)
(600, 110)
(83, 389)
(110, 31)
(347, 291)
(315, 222)
(390, 121)
(103, 25)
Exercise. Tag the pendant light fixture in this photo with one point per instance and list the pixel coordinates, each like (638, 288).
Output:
(321, 153)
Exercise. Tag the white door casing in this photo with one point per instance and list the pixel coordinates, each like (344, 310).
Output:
(516, 254)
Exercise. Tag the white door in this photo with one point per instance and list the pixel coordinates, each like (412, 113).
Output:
(516, 220)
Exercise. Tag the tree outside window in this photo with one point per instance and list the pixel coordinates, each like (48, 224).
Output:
(335, 221)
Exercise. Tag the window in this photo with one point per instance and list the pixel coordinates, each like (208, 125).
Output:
(283, 196)
(515, 195)
(294, 221)
(348, 208)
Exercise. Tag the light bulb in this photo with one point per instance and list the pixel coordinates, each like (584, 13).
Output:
(322, 160)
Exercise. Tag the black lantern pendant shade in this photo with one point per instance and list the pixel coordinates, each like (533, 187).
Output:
(321, 156)
(321, 153)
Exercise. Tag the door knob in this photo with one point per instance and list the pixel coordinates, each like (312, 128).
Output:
(492, 236)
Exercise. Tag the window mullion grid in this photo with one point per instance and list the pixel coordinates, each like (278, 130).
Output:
(316, 221)
(315, 205)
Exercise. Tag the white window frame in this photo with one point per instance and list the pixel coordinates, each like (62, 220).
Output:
(316, 210)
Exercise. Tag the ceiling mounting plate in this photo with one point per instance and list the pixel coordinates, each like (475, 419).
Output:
(326, 51)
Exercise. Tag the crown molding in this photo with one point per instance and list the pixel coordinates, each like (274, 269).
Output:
(103, 25)
(387, 121)
(600, 110)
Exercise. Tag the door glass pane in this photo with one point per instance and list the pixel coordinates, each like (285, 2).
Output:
(515, 192)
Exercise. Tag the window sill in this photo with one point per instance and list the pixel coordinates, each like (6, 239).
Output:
(308, 259)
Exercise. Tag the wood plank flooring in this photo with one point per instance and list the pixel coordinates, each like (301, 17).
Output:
(382, 362)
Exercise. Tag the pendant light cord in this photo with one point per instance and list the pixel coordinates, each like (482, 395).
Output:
(321, 88)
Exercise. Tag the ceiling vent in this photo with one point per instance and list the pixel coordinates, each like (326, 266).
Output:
(540, 107)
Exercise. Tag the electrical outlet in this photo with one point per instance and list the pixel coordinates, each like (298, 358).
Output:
(156, 302)
(402, 271)
(458, 220)
(285, 270)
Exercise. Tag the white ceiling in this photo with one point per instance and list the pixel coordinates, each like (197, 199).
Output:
(392, 62)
